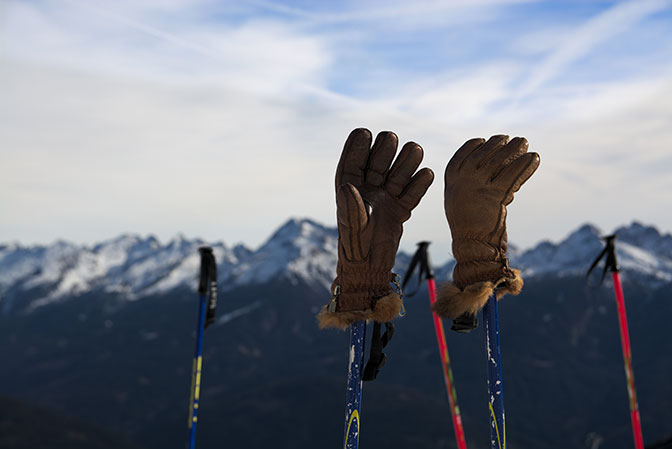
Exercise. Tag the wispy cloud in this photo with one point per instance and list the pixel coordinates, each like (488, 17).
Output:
(396, 14)
(256, 55)
(583, 40)
(222, 119)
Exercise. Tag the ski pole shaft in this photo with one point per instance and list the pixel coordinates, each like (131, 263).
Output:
(447, 371)
(353, 395)
(495, 385)
(627, 359)
(196, 374)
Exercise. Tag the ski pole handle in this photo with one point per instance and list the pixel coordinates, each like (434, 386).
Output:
(353, 396)
(495, 385)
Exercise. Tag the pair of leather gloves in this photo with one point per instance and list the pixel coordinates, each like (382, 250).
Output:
(375, 196)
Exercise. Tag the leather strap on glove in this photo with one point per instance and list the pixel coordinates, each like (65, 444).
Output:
(481, 179)
(373, 200)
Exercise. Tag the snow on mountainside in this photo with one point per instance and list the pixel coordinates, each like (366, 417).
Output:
(135, 267)
(640, 251)
(301, 249)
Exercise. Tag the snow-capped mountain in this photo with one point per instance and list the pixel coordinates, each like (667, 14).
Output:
(300, 250)
(641, 251)
(136, 267)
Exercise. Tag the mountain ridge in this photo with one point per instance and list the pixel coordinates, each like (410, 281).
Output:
(134, 267)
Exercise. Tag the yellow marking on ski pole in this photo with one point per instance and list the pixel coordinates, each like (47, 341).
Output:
(197, 383)
(353, 416)
(191, 394)
(494, 421)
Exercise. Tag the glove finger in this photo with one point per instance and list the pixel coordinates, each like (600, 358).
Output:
(352, 219)
(504, 155)
(355, 153)
(482, 154)
(382, 153)
(416, 188)
(462, 154)
(515, 174)
(407, 163)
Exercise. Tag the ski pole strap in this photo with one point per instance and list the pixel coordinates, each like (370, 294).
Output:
(610, 261)
(377, 357)
(420, 259)
(208, 282)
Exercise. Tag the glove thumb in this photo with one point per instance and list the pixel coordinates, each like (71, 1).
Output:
(352, 219)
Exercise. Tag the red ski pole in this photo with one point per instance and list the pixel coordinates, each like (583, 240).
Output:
(611, 264)
(422, 257)
(447, 371)
(627, 359)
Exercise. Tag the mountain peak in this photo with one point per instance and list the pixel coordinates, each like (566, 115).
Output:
(587, 231)
(646, 237)
(295, 228)
(300, 250)
(640, 249)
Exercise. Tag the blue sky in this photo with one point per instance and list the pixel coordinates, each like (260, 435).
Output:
(221, 119)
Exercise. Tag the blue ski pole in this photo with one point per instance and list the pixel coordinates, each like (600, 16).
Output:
(196, 375)
(207, 290)
(495, 385)
(353, 394)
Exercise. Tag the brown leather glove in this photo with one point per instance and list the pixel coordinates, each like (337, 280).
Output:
(481, 179)
(372, 201)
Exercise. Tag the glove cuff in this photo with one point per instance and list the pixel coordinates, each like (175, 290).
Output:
(474, 272)
(479, 261)
(358, 288)
(453, 301)
(383, 309)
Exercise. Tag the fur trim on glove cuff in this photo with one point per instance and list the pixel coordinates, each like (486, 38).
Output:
(453, 302)
(386, 309)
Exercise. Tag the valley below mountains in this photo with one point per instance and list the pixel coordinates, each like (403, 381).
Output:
(98, 342)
